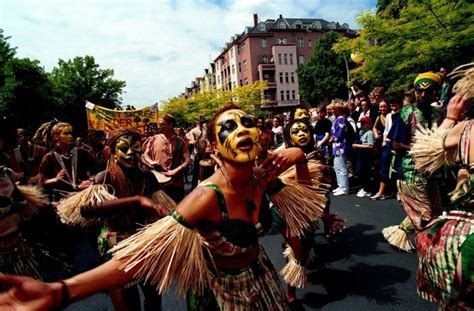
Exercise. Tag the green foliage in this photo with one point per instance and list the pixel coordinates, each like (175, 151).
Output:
(206, 104)
(26, 93)
(324, 75)
(75, 81)
(411, 37)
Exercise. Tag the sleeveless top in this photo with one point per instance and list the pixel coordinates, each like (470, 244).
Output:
(233, 237)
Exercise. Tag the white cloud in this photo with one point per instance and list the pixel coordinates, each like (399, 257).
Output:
(157, 47)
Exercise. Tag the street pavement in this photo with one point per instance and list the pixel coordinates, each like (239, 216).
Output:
(358, 270)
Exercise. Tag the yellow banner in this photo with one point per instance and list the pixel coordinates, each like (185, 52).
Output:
(100, 118)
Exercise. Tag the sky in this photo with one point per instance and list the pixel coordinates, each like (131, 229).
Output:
(157, 47)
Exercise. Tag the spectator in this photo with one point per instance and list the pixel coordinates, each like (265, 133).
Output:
(198, 141)
(28, 156)
(363, 156)
(365, 111)
(322, 130)
(329, 111)
(340, 149)
(265, 139)
(168, 154)
(386, 154)
(277, 132)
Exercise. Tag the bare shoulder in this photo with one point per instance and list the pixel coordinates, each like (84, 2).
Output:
(199, 205)
(454, 135)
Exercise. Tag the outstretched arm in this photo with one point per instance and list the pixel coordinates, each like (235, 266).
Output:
(30, 294)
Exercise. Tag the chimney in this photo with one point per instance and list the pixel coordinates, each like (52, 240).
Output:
(255, 19)
(281, 16)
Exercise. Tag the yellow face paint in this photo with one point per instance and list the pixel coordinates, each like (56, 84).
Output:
(128, 150)
(299, 133)
(65, 136)
(237, 136)
(301, 113)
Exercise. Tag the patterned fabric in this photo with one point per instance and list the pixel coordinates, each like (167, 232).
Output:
(421, 201)
(339, 145)
(255, 288)
(232, 237)
(448, 239)
(438, 255)
(403, 131)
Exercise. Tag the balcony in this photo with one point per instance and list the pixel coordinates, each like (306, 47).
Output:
(271, 84)
(266, 67)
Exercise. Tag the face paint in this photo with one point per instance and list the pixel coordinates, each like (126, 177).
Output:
(237, 136)
(425, 93)
(299, 133)
(65, 136)
(301, 113)
(128, 150)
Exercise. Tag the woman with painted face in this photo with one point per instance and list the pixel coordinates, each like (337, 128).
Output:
(66, 168)
(135, 187)
(209, 243)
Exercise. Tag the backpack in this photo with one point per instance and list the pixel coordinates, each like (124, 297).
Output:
(349, 134)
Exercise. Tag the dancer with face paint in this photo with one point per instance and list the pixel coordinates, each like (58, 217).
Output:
(420, 197)
(446, 245)
(209, 244)
(135, 188)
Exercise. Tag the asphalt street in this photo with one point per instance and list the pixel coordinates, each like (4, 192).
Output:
(357, 270)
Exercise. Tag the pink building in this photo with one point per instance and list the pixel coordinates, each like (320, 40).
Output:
(272, 51)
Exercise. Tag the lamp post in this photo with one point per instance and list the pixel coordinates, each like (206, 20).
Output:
(348, 77)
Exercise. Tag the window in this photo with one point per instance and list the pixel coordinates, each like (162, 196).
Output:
(261, 27)
(301, 42)
(286, 77)
(241, 83)
(263, 43)
(246, 81)
(281, 77)
(265, 59)
(285, 59)
(240, 67)
(292, 77)
(310, 44)
(280, 59)
(281, 25)
(232, 53)
(281, 41)
(300, 60)
(244, 65)
(291, 58)
(233, 69)
(233, 85)
(293, 94)
(282, 95)
(288, 95)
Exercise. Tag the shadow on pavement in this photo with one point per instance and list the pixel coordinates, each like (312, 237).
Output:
(356, 240)
(371, 281)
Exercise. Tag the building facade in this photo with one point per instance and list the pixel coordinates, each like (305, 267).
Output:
(272, 51)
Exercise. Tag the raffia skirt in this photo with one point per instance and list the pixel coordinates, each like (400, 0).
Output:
(16, 257)
(254, 288)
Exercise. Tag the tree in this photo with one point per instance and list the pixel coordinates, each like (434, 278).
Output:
(206, 104)
(7, 53)
(75, 81)
(324, 76)
(26, 93)
(416, 36)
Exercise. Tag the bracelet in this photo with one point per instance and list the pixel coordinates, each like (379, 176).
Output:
(65, 298)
